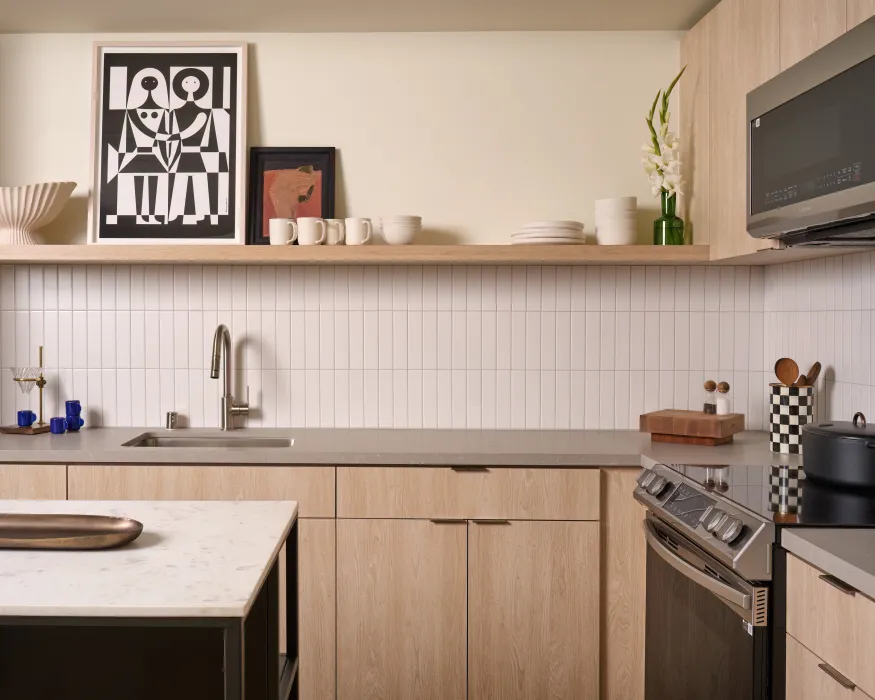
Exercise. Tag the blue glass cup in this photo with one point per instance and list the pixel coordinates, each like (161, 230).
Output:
(74, 423)
(26, 419)
(74, 408)
(58, 426)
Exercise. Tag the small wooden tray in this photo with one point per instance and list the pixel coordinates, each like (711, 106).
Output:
(47, 531)
(32, 430)
(687, 440)
(691, 427)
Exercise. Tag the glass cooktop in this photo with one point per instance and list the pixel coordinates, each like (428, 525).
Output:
(783, 495)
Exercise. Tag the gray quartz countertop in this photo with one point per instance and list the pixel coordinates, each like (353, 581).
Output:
(585, 448)
(846, 553)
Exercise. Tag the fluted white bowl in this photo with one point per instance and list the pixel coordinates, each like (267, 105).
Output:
(25, 209)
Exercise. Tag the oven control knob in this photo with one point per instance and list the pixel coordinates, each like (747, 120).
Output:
(657, 486)
(731, 530)
(715, 519)
(645, 477)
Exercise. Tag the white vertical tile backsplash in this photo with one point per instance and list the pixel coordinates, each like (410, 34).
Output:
(431, 347)
(822, 310)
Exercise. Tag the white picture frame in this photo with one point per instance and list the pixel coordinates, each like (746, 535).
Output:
(168, 148)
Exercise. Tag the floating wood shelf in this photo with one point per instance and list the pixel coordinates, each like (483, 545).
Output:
(354, 255)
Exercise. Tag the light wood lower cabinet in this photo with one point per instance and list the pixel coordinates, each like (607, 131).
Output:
(312, 487)
(810, 678)
(533, 611)
(33, 481)
(443, 492)
(832, 620)
(317, 554)
(401, 598)
(624, 581)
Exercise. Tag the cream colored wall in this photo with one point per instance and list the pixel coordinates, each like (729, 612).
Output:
(477, 132)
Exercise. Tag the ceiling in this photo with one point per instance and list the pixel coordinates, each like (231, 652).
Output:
(47, 16)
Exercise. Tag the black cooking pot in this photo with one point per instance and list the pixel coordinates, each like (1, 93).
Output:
(840, 452)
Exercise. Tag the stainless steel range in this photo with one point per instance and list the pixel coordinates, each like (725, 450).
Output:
(716, 574)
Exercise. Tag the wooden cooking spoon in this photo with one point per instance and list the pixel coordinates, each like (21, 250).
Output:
(813, 373)
(802, 381)
(787, 371)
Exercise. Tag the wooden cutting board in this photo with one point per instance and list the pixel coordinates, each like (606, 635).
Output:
(693, 424)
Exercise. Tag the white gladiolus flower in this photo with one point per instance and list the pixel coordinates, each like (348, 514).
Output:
(662, 161)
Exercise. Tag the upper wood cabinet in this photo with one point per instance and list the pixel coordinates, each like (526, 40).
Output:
(401, 614)
(533, 611)
(33, 481)
(807, 25)
(859, 11)
(743, 55)
(695, 129)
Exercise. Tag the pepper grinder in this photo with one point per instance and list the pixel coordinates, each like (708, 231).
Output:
(710, 401)
(724, 404)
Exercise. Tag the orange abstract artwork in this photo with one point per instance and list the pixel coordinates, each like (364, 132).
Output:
(290, 194)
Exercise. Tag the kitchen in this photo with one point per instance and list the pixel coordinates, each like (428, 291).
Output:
(467, 408)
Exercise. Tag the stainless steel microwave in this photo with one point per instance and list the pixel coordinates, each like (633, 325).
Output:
(811, 147)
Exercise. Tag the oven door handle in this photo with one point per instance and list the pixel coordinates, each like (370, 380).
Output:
(729, 594)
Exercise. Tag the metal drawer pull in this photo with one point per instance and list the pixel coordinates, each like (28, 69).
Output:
(469, 469)
(838, 583)
(490, 521)
(836, 676)
(447, 521)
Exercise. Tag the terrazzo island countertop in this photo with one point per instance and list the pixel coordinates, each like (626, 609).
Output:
(846, 553)
(193, 559)
(331, 446)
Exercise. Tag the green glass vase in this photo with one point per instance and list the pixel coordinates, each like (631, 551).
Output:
(668, 229)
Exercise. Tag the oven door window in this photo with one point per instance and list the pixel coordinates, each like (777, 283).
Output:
(697, 645)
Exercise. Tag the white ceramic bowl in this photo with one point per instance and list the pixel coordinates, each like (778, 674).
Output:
(402, 219)
(616, 236)
(399, 234)
(617, 204)
(616, 223)
(25, 209)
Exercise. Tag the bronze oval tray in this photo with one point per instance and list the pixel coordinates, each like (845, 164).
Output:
(45, 531)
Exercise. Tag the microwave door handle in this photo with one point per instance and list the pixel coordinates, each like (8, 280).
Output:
(729, 594)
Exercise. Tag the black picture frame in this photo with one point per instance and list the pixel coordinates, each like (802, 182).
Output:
(263, 159)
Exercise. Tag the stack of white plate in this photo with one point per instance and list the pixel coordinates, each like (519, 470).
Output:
(400, 229)
(550, 232)
(616, 221)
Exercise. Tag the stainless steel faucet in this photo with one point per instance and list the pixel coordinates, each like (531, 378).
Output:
(222, 344)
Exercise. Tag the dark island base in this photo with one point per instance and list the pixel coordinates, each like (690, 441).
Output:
(65, 658)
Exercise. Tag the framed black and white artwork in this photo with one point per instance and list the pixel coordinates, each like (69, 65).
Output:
(169, 133)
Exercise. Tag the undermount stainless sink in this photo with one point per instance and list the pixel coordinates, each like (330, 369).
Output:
(200, 441)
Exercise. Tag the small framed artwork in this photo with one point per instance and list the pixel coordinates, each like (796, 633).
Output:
(286, 183)
(168, 141)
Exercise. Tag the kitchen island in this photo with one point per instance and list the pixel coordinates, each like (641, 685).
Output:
(191, 609)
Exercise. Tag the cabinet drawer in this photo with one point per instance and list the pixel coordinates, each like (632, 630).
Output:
(837, 626)
(311, 487)
(445, 492)
(810, 678)
(33, 481)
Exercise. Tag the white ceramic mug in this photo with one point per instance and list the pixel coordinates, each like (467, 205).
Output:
(311, 230)
(282, 231)
(358, 231)
(335, 232)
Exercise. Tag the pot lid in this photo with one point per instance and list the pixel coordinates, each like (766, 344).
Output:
(856, 428)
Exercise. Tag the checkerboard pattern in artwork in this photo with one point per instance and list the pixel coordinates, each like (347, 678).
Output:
(791, 408)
